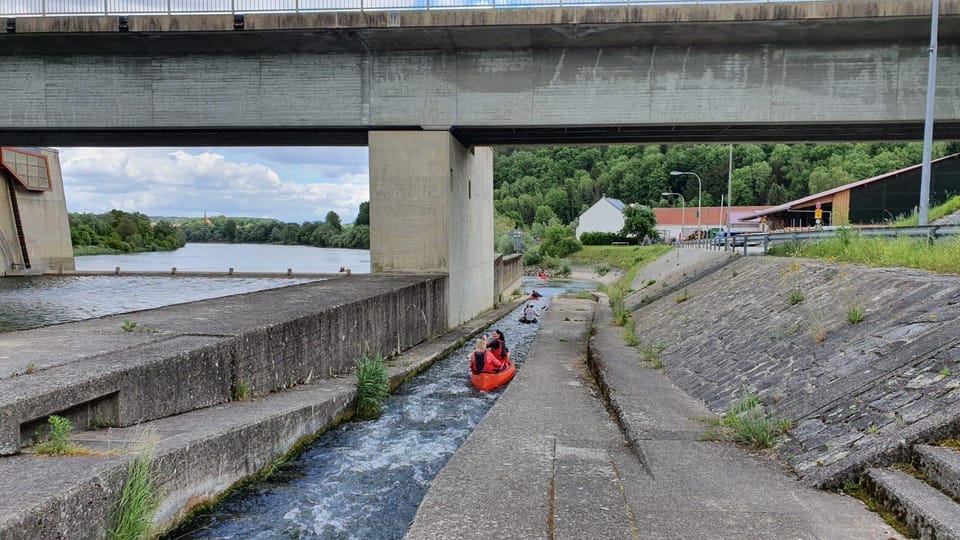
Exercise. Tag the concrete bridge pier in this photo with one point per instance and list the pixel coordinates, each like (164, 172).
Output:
(431, 210)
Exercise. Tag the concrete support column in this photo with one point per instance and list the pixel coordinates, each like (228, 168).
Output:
(431, 210)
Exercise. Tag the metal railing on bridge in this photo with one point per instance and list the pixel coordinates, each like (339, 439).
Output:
(44, 8)
(930, 232)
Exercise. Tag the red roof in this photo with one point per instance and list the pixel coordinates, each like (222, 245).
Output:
(710, 217)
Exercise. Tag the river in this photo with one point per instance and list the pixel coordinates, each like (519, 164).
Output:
(27, 302)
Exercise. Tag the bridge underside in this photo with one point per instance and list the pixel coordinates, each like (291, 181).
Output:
(487, 135)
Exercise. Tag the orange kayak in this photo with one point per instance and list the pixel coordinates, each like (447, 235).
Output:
(486, 382)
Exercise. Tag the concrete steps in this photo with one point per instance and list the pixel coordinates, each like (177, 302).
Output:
(931, 512)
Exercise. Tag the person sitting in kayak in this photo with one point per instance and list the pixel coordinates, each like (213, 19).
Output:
(529, 315)
(484, 361)
(535, 295)
(498, 345)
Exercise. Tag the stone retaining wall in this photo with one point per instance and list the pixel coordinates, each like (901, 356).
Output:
(855, 392)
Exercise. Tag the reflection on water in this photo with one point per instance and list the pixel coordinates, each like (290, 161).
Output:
(365, 480)
(28, 302)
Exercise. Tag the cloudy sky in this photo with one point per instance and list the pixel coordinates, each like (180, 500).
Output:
(287, 183)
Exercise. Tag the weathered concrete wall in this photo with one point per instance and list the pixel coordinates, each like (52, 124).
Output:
(432, 211)
(854, 391)
(46, 226)
(509, 271)
(198, 354)
(750, 83)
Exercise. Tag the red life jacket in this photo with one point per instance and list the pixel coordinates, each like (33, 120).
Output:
(484, 361)
(498, 348)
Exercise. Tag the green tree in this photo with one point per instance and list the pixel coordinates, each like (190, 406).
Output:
(363, 217)
(559, 241)
(639, 222)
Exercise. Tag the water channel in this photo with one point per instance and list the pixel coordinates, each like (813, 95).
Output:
(365, 480)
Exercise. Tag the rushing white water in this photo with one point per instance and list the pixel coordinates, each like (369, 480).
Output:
(364, 480)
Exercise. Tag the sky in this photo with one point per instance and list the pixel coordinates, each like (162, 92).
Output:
(292, 184)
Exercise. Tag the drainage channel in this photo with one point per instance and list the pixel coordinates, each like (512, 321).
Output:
(365, 480)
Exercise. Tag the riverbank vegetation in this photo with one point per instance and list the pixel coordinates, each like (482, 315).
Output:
(373, 385)
(121, 232)
(849, 246)
(327, 233)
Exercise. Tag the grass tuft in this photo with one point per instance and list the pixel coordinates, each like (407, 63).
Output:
(372, 385)
(796, 296)
(630, 333)
(241, 391)
(651, 354)
(617, 296)
(683, 296)
(133, 512)
(746, 422)
(855, 314)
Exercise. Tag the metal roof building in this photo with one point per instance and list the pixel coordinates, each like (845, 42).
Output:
(872, 200)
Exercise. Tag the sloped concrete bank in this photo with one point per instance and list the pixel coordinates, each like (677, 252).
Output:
(857, 393)
(282, 341)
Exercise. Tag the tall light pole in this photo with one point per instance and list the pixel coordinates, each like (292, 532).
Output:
(699, 189)
(928, 116)
(683, 212)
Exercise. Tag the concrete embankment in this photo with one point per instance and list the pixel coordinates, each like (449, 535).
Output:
(857, 393)
(292, 336)
(548, 461)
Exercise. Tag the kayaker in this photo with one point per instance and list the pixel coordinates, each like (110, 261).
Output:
(529, 315)
(483, 360)
(535, 295)
(498, 345)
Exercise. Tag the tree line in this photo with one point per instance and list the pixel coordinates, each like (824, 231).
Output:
(327, 233)
(117, 231)
(540, 186)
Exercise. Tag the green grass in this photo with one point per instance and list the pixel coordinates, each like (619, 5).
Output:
(746, 422)
(128, 326)
(133, 512)
(935, 213)
(617, 296)
(372, 385)
(941, 256)
(796, 296)
(58, 443)
(80, 251)
(855, 314)
(620, 257)
(683, 296)
(651, 354)
(630, 333)
(241, 391)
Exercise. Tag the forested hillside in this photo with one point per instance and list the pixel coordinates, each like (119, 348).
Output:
(555, 184)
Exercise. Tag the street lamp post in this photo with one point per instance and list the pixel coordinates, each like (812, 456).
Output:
(683, 212)
(699, 190)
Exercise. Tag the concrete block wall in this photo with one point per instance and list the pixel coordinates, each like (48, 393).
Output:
(853, 391)
(201, 352)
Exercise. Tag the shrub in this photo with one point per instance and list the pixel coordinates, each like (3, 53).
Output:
(372, 385)
(58, 444)
(532, 257)
(601, 238)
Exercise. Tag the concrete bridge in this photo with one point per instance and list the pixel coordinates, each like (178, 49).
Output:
(428, 90)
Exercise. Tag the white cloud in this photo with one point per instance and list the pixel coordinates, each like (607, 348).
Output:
(253, 182)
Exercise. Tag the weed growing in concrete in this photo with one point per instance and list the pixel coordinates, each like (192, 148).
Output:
(630, 333)
(857, 491)
(855, 313)
(58, 444)
(872, 429)
(133, 511)
(683, 296)
(748, 423)
(617, 297)
(31, 368)
(796, 296)
(241, 391)
(601, 269)
(372, 385)
(128, 326)
(945, 372)
(952, 442)
(651, 354)
(583, 295)
(100, 422)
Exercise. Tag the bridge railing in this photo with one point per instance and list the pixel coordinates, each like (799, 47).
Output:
(929, 232)
(43, 8)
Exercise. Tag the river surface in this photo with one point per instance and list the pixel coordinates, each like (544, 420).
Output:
(240, 257)
(28, 302)
(365, 480)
